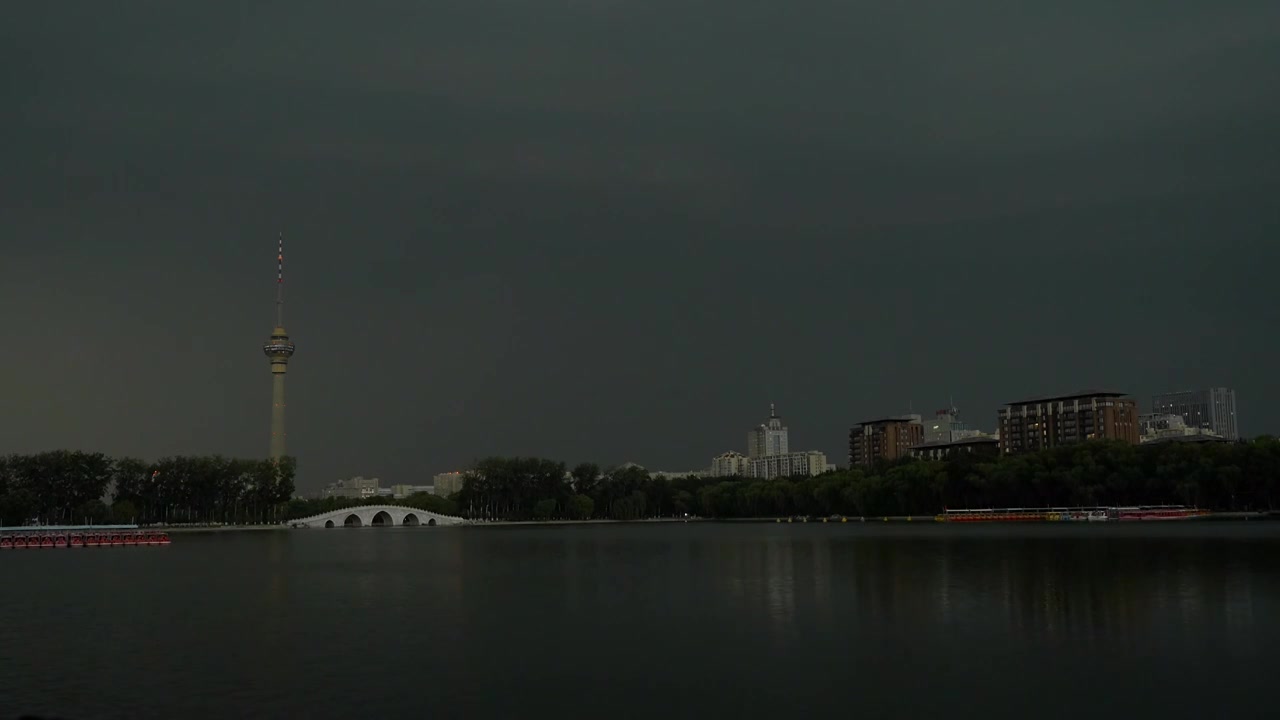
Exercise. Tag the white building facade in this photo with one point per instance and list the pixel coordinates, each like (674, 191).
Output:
(730, 464)
(796, 464)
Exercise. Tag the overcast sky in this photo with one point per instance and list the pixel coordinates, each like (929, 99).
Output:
(616, 230)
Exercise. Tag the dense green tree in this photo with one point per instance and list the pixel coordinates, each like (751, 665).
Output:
(71, 487)
(544, 509)
(581, 507)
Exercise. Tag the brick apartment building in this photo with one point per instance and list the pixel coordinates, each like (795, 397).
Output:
(1030, 425)
(886, 439)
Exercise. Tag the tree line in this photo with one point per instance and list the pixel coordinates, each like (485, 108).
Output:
(1218, 476)
(73, 487)
(79, 487)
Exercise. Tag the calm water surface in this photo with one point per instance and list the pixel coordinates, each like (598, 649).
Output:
(697, 620)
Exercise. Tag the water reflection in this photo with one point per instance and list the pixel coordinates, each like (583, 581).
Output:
(504, 622)
(1053, 589)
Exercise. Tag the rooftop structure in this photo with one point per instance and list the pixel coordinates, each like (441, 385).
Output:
(943, 450)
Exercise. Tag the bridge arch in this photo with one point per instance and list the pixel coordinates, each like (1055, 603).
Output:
(377, 516)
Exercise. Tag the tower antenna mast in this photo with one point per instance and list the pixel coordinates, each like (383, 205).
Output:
(280, 282)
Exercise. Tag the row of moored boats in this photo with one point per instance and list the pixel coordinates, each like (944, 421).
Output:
(76, 536)
(1074, 514)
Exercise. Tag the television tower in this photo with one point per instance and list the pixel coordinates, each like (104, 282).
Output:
(278, 349)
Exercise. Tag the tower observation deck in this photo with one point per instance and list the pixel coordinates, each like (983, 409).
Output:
(278, 350)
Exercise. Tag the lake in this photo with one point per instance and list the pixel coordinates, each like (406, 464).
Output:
(652, 620)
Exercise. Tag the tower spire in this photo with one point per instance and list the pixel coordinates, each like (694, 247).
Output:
(280, 282)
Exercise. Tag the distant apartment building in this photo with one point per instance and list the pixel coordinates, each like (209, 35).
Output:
(984, 445)
(1211, 409)
(796, 464)
(1157, 427)
(358, 487)
(769, 438)
(1040, 423)
(730, 464)
(403, 491)
(448, 483)
(884, 439)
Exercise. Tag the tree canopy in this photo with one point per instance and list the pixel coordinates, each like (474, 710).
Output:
(66, 486)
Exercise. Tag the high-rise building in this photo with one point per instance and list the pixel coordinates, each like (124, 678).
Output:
(768, 455)
(278, 350)
(769, 438)
(884, 439)
(1211, 409)
(1039, 423)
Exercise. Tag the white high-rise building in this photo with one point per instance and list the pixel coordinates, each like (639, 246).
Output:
(1213, 409)
(769, 438)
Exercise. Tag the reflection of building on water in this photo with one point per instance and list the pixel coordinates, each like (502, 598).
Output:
(1238, 589)
(780, 581)
(821, 569)
(942, 594)
(1099, 590)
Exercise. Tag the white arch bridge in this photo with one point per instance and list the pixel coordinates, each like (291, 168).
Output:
(376, 516)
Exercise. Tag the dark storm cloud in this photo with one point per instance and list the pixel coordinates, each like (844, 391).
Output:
(618, 230)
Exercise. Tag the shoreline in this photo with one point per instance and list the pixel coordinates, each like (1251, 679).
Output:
(1261, 516)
